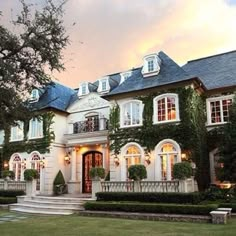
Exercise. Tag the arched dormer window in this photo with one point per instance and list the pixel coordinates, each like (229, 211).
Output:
(151, 65)
(131, 113)
(34, 96)
(83, 89)
(103, 86)
(166, 108)
(124, 76)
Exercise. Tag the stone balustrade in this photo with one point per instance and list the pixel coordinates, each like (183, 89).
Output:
(12, 185)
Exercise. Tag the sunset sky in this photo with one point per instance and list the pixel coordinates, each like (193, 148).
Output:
(114, 35)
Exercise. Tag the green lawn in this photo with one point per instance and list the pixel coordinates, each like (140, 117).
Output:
(87, 226)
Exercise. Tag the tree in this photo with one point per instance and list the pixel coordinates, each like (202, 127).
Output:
(228, 150)
(27, 55)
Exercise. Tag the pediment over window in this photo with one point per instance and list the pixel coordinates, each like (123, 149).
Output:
(151, 65)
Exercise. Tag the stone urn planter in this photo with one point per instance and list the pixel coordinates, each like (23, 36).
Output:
(96, 174)
(30, 176)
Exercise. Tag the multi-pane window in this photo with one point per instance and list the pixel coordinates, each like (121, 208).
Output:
(83, 88)
(1, 136)
(36, 128)
(104, 85)
(17, 131)
(150, 65)
(218, 109)
(132, 157)
(35, 164)
(16, 167)
(131, 113)
(166, 108)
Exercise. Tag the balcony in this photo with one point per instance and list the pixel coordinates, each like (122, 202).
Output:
(90, 125)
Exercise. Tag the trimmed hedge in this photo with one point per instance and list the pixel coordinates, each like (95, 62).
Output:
(150, 208)
(229, 205)
(191, 198)
(8, 200)
(11, 193)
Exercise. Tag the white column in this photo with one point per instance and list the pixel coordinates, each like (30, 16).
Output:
(73, 164)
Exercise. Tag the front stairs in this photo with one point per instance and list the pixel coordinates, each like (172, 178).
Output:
(49, 205)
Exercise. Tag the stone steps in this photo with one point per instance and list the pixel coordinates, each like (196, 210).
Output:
(48, 205)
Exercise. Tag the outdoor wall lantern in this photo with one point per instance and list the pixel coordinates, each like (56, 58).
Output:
(42, 163)
(147, 159)
(116, 161)
(23, 164)
(67, 159)
(5, 165)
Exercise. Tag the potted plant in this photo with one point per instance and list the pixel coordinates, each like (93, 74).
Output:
(8, 174)
(59, 184)
(30, 176)
(97, 173)
(137, 172)
(182, 170)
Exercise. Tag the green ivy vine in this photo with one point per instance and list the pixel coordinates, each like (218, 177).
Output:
(190, 133)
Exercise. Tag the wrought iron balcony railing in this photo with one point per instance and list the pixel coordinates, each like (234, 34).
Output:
(90, 125)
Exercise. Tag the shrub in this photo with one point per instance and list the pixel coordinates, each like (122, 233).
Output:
(97, 172)
(182, 170)
(59, 184)
(184, 198)
(137, 172)
(229, 205)
(150, 208)
(8, 173)
(8, 200)
(107, 178)
(30, 174)
(11, 193)
(215, 193)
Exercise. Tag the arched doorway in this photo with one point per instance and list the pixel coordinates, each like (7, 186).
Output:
(167, 154)
(16, 167)
(90, 159)
(35, 164)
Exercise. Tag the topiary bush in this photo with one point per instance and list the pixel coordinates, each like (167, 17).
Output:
(182, 170)
(97, 173)
(59, 185)
(137, 172)
(30, 174)
(8, 173)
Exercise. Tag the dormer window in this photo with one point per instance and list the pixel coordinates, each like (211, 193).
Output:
(151, 65)
(34, 96)
(103, 86)
(124, 76)
(83, 89)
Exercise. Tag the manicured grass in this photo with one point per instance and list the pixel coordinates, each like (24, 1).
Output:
(87, 226)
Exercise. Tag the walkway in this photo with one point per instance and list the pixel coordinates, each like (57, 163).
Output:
(11, 218)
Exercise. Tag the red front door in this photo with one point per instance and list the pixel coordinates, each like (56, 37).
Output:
(90, 159)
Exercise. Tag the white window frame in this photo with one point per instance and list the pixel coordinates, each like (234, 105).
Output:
(155, 109)
(39, 127)
(83, 89)
(122, 118)
(124, 76)
(102, 81)
(2, 134)
(208, 105)
(19, 130)
(34, 96)
(156, 65)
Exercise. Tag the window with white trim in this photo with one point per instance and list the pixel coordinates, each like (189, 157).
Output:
(132, 156)
(36, 128)
(2, 133)
(131, 113)
(166, 108)
(17, 132)
(34, 96)
(83, 89)
(16, 167)
(218, 109)
(151, 65)
(124, 76)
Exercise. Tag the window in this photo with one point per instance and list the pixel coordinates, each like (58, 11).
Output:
(34, 97)
(151, 65)
(218, 109)
(104, 85)
(35, 164)
(124, 76)
(168, 153)
(1, 136)
(131, 113)
(17, 132)
(16, 166)
(36, 128)
(132, 155)
(83, 88)
(166, 108)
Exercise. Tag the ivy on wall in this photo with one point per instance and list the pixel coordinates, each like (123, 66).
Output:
(190, 133)
(41, 145)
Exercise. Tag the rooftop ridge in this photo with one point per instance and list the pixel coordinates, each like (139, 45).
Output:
(215, 55)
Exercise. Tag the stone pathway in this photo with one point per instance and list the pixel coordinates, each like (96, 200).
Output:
(11, 218)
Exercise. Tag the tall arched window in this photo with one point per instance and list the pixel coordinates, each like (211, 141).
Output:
(132, 154)
(131, 113)
(166, 108)
(168, 153)
(16, 166)
(35, 164)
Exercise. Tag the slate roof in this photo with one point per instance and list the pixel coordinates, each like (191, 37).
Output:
(169, 73)
(55, 96)
(216, 71)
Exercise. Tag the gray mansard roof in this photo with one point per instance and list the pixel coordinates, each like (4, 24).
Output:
(216, 71)
(169, 73)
